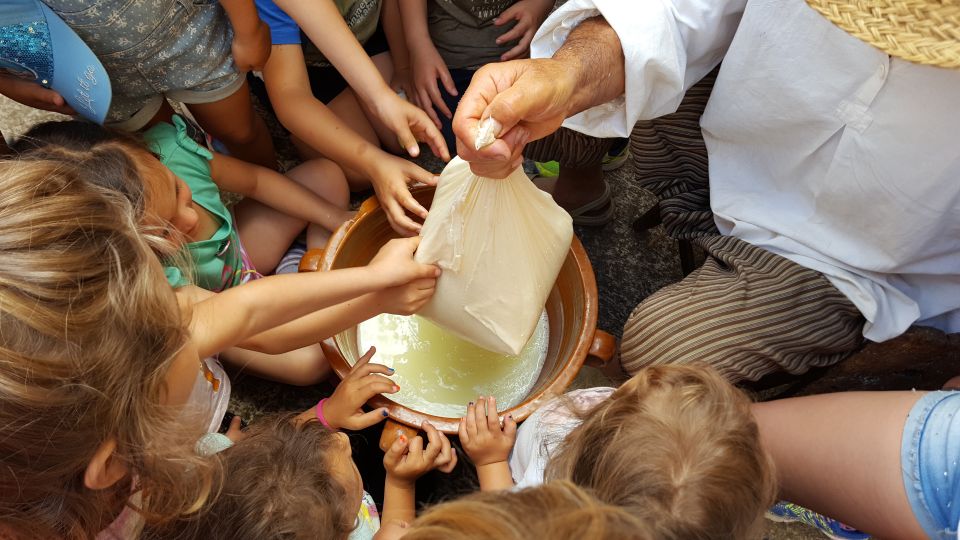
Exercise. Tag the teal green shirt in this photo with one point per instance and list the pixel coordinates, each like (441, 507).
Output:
(218, 261)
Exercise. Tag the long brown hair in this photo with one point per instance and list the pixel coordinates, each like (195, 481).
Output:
(88, 331)
(558, 510)
(677, 447)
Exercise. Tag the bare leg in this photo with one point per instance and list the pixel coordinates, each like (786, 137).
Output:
(234, 122)
(839, 455)
(266, 233)
(300, 367)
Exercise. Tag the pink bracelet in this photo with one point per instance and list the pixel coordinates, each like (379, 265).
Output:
(320, 416)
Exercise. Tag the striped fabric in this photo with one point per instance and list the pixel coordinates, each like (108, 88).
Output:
(569, 148)
(746, 311)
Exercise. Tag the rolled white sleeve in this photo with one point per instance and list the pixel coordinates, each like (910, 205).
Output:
(668, 45)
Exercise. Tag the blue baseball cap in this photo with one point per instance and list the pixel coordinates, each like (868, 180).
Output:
(36, 45)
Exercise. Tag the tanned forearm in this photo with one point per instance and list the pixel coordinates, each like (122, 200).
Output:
(594, 57)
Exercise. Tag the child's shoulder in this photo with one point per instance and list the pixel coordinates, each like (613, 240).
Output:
(178, 144)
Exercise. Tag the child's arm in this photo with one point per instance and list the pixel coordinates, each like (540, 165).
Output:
(407, 460)
(251, 37)
(276, 191)
(33, 95)
(404, 299)
(322, 23)
(393, 29)
(312, 122)
(427, 64)
(487, 444)
(529, 15)
(235, 314)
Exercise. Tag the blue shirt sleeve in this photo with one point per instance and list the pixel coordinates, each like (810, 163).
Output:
(283, 29)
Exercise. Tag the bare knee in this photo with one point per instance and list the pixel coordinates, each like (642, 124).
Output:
(325, 178)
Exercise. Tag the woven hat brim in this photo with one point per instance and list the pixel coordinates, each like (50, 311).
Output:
(922, 31)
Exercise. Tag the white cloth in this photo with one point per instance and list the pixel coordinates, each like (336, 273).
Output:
(822, 149)
(539, 435)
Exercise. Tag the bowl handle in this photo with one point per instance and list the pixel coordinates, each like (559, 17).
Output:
(601, 350)
(392, 431)
(313, 259)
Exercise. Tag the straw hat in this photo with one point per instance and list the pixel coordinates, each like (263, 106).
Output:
(921, 31)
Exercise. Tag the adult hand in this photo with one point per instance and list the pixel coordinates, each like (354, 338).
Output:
(410, 124)
(529, 15)
(34, 95)
(395, 262)
(529, 98)
(251, 50)
(390, 177)
(344, 409)
(428, 66)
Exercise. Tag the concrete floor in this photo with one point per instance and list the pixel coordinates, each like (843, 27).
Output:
(628, 265)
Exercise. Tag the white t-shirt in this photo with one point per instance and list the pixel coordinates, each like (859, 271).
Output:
(822, 149)
(539, 435)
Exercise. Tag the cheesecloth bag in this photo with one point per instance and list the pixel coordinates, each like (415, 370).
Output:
(501, 244)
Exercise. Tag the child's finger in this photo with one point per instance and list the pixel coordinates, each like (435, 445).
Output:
(450, 465)
(407, 141)
(493, 419)
(430, 134)
(411, 204)
(514, 33)
(427, 105)
(445, 451)
(463, 432)
(416, 447)
(377, 384)
(434, 443)
(365, 420)
(363, 359)
(393, 455)
(480, 415)
(361, 371)
(398, 218)
(510, 426)
(471, 420)
(521, 49)
(437, 99)
(447, 81)
(234, 432)
(512, 12)
(416, 173)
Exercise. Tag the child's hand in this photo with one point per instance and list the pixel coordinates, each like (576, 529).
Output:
(344, 409)
(390, 178)
(481, 435)
(407, 460)
(407, 299)
(529, 15)
(395, 262)
(428, 66)
(33, 95)
(410, 124)
(252, 49)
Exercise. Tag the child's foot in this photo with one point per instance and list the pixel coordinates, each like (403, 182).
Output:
(786, 512)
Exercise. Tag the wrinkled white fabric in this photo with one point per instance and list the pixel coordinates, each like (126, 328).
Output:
(822, 149)
(501, 244)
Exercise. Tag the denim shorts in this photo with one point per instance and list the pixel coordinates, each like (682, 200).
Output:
(929, 452)
(152, 49)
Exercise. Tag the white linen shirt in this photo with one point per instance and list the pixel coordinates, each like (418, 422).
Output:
(822, 149)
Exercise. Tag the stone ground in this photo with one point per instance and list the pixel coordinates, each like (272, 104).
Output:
(629, 266)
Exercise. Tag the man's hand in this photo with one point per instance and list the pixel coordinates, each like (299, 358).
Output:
(252, 49)
(529, 98)
(529, 15)
(344, 409)
(34, 95)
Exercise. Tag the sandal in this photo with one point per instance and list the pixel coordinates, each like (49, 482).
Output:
(595, 213)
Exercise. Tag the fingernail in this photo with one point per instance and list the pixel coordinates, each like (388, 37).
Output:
(470, 404)
(391, 370)
(396, 388)
(402, 439)
(385, 413)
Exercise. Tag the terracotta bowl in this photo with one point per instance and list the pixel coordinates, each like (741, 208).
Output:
(571, 308)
